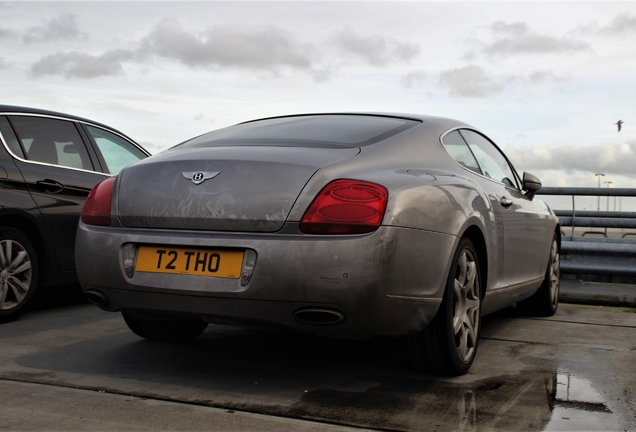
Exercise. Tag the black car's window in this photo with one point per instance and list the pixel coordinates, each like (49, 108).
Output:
(117, 152)
(10, 138)
(330, 131)
(52, 141)
(493, 164)
(458, 149)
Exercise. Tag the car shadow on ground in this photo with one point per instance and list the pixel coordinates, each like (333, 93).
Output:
(57, 296)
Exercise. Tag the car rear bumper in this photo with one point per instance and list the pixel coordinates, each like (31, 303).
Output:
(389, 282)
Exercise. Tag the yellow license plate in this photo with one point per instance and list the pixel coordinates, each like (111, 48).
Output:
(190, 261)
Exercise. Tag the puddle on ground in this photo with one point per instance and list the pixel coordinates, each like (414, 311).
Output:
(530, 401)
(577, 406)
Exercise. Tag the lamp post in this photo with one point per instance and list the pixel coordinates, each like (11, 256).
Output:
(608, 183)
(598, 202)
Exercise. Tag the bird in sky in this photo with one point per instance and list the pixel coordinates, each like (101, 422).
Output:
(619, 124)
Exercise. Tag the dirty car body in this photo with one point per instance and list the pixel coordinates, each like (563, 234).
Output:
(345, 225)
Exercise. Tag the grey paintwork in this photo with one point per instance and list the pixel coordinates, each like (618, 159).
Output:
(387, 282)
(254, 190)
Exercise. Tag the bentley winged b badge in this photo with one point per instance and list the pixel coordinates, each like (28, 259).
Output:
(199, 177)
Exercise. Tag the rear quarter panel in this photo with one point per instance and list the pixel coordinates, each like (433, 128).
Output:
(427, 189)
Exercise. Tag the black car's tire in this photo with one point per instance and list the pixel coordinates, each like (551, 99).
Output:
(545, 301)
(449, 344)
(168, 330)
(19, 272)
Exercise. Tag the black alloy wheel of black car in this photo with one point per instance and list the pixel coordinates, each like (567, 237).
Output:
(449, 344)
(545, 301)
(18, 273)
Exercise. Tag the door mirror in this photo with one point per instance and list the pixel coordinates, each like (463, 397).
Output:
(531, 184)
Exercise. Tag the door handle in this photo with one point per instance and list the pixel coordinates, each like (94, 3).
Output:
(50, 186)
(505, 202)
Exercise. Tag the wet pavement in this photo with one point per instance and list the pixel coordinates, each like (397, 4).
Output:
(573, 371)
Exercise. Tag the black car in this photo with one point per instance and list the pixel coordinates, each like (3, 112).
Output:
(49, 162)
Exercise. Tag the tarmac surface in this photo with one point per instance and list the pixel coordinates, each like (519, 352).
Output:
(75, 367)
(598, 293)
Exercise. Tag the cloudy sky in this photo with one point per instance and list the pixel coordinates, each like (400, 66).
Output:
(547, 81)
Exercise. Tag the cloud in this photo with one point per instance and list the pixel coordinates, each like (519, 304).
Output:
(3, 64)
(4, 33)
(266, 48)
(518, 39)
(374, 50)
(413, 79)
(324, 74)
(607, 158)
(622, 24)
(64, 27)
(539, 76)
(80, 65)
(469, 81)
(514, 29)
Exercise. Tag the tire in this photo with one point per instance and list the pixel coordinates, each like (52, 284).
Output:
(545, 301)
(167, 330)
(449, 344)
(19, 272)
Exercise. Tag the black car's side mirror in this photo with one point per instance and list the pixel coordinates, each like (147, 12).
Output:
(531, 184)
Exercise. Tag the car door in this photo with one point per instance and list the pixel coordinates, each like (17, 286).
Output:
(59, 171)
(524, 230)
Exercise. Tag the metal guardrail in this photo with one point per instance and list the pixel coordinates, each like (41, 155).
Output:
(585, 191)
(602, 219)
(596, 256)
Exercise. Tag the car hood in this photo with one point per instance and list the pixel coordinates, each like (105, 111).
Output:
(254, 190)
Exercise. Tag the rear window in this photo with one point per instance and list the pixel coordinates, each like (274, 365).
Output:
(329, 131)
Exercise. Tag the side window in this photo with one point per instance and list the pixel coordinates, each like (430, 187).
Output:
(9, 137)
(52, 141)
(117, 152)
(493, 164)
(458, 149)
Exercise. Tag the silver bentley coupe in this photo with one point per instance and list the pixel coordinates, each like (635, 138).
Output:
(344, 225)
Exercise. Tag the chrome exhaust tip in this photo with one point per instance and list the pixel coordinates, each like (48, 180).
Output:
(97, 297)
(319, 316)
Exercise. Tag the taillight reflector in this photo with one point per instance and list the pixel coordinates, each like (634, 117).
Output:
(96, 209)
(346, 207)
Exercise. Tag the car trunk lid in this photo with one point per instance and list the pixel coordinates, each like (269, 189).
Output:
(240, 188)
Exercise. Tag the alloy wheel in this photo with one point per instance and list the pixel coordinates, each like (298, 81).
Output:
(466, 311)
(15, 274)
(555, 272)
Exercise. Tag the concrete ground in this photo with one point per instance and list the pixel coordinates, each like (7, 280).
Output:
(29, 406)
(75, 367)
(598, 293)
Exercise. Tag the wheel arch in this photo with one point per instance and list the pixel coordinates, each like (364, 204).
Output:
(476, 236)
(30, 230)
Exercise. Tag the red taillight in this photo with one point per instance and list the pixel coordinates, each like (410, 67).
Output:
(346, 207)
(96, 210)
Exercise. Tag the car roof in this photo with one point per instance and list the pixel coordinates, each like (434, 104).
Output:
(442, 122)
(4, 109)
